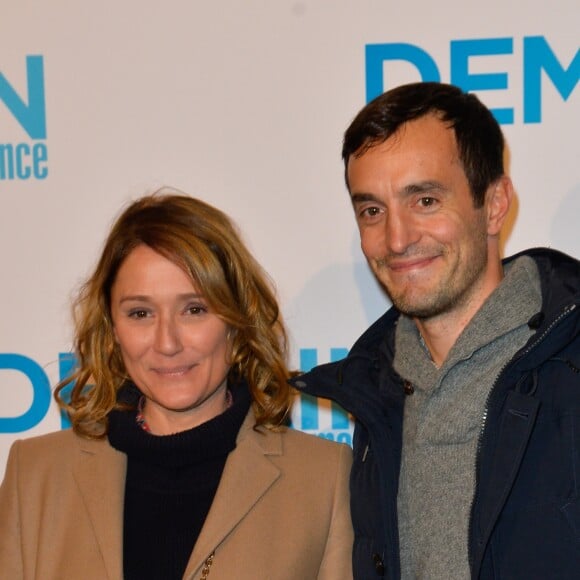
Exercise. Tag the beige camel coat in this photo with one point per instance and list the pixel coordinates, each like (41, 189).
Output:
(280, 513)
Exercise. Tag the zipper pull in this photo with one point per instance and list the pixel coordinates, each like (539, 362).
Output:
(364, 457)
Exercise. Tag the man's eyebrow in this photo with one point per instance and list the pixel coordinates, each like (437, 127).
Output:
(363, 197)
(411, 189)
(422, 187)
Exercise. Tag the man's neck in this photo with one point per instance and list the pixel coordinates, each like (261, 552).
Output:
(440, 336)
(440, 333)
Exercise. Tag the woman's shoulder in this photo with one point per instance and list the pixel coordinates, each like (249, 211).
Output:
(306, 460)
(53, 447)
(48, 441)
(307, 439)
(54, 437)
(313, 449)
(294, 451)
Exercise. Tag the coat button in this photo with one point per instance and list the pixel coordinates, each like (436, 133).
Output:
(408, 387)
(379, 566)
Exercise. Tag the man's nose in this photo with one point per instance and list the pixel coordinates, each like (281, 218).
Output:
(401, 231)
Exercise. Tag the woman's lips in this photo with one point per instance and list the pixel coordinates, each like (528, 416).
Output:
(173, 371)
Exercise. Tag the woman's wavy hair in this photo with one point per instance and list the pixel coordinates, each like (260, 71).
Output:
(202, 241)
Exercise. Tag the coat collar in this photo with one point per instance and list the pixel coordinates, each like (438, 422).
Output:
(99, 471)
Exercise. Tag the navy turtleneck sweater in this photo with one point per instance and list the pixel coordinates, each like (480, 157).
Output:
(170, 485)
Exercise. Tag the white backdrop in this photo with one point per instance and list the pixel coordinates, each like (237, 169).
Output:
(244, 104)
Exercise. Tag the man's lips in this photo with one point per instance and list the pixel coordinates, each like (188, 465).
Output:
(398, 266)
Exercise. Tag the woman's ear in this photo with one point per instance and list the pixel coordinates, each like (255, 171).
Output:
(114, 330)
(230, 336)
(498, 200)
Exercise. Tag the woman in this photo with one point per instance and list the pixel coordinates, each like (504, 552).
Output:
(177, 464)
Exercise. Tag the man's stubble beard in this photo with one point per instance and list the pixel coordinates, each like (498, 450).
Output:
(453, 290)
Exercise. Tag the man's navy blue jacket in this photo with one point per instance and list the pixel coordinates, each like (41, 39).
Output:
(525, 516)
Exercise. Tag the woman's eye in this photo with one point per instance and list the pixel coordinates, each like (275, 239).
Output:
(196, 309)
(138, 313)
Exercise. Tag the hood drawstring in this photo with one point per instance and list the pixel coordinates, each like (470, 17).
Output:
(519, 385)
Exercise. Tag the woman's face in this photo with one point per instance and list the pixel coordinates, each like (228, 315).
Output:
(174, 348)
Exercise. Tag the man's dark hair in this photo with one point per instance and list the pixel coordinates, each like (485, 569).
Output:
(479, 138)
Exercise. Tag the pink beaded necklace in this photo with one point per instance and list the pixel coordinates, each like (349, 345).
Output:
(140, 419)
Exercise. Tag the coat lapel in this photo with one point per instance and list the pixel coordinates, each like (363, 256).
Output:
(247, 477)
(100, 474)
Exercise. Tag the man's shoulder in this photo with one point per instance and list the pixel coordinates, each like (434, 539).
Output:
(550, 261)
(376, 333)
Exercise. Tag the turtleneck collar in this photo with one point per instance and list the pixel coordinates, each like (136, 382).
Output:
(216, 437)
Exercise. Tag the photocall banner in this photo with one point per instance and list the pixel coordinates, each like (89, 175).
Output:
(244, 104)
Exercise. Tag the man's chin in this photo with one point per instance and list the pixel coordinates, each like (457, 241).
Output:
(416, 308)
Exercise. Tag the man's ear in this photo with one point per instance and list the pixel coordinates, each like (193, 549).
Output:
(498, 200)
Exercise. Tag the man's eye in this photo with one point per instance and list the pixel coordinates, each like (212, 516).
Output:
(427, 201)
(370, 212)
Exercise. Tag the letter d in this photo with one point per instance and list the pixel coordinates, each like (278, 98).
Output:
(40, 393)
(377, 54)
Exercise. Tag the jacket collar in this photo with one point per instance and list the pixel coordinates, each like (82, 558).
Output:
(559, 276)
(99, 471)
(560, 283)
(353, 381)
(349, 380)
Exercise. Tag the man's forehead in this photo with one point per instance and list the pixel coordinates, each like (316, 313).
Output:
(426, 125)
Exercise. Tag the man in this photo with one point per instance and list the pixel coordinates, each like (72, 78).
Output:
(466, 393)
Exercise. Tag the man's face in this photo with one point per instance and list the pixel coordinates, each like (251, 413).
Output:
(421, 235)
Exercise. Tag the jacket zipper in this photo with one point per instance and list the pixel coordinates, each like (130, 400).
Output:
(567, 310)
